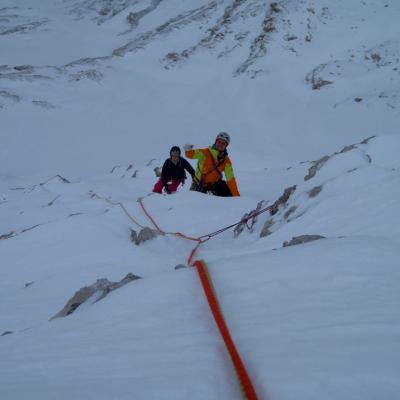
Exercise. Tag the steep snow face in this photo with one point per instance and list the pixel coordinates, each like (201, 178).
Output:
(100, 82)
(312, 321)
(93, 93)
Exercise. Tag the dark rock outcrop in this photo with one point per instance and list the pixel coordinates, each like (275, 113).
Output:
(96, 292)
(301, 239)
(283, 199)
(144, 235)
(315, 191)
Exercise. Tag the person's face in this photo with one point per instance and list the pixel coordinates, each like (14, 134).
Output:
(220, 144)
(175, 157)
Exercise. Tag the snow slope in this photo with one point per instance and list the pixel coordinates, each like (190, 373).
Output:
(96, 95)
(91, 100)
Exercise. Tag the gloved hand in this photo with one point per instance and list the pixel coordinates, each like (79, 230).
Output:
(188, 147)
(167, 189)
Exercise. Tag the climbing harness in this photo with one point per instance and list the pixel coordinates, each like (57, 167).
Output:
(200, 185)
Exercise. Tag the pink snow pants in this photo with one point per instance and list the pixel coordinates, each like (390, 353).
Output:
(173, 186)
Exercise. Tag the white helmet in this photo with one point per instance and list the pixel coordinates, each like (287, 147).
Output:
(224, 136)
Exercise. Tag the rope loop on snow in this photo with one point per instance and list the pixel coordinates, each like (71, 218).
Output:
(243, 377)
(201, 239)
(116, 203)
(204, 238)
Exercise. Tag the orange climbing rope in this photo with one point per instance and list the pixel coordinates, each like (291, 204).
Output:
(140, 201)
(204, 238)
(116, 203)
(243, 376)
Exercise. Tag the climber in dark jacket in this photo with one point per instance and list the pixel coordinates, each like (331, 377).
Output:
(173, 172)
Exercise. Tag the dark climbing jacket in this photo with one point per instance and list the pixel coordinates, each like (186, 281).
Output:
(172, 172)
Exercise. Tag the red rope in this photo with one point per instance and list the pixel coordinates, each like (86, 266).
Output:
(203, 238)
(167, 233)
(192, 253)
(150, 217)
(206, 282)
(241, 372)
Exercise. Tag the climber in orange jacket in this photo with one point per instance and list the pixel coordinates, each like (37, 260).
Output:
(212, 162)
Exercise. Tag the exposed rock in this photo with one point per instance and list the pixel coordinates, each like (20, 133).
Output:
(85, 61)
(290, 212)
(144, 235)
(365, 141)
(265, 230)
(25, 68)
(248, 220)
(91, 74)
(22, 28)
(7, 333)
(289, 38)
(315, 167)
(10, 96)
(30, 228)
(348, 148)
(124, 173)
(75, 214)
(180, 266)
(302, 239)
(27, 284)
(215, 35)
(58, 177)
(180, 21)
(315, 191)
(134, 236)
(114, 168)
(315, 80)
(376, 58)
(258, 47)
(43, 104)
(95, 292)
(157, 171)
(7, 235)
(172, 57)
(283, 199)
(134, 18)
(274, 8)
(318, 83)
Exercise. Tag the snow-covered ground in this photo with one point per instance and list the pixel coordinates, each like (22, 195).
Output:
(86, 91)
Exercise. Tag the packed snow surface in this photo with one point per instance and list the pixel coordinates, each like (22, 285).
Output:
(92, 96)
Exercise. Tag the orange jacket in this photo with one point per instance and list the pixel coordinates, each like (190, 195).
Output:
(206, 171)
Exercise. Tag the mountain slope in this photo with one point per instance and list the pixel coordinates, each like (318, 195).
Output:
(318, 319)
(77, 94)
(93, 93)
